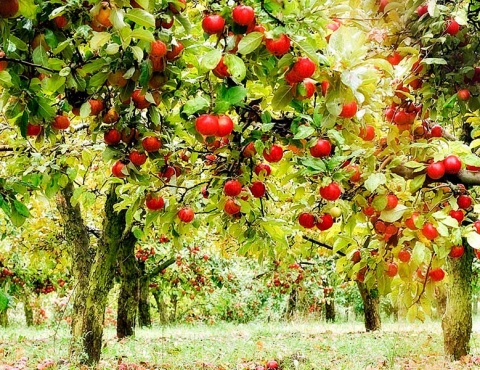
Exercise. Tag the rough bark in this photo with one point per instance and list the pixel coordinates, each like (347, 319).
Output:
(457, 321)
(144, 316)
(371, 307)
(87, 348)
(77, 236)
(475, 305)
(129, 295)
(4, 318)
(161, 307)
(27, 309)
(330, 307)
(291, 304)
(441, 297)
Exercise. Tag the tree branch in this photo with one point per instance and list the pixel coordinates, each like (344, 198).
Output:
(465, 177)
(161, 267)
(326, 246)
(25, 63)
(6, 148)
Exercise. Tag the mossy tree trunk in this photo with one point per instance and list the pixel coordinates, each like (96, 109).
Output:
(371, 307)
(96, 282)
(27, 308)
(4, 318)
(129, 295)
(291, 304)
(330, 306)
(457, 320)
(161, 306)
(77, 236)
(144, 316)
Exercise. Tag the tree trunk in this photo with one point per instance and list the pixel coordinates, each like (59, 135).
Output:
(27, 308)
(88, 345)
(161, 306)
(457, 321)
(4, 318)
(330, 307)
(129, 290)
(371, 305)
(441, 297)
(475, 305)
(77, 236)
(292, 304)
(144, 317)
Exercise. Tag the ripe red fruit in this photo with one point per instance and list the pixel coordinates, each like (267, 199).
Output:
(137, 158)
(457, 215)
(410, 222)
(221, 70)
(331, 192)
(382, 5)
(207, 125)
(422, 9)
(232, 207)
(429, 231)
(139, 100)
(324, 222)
(304, 68)
(158, 49)
(436, 170)
(463, 94)
(464, 201)
(8, 8)
(392, 202)
(213, 24)
(112, 137)
(452, 27)
(117, 170)
(368, 211)
(394, 59)
(304, 90)
(249, 151)
(292, 78)
(436, 131)
(452, 164)
(225, 126)
(355, 172)
(243, 15)
(177, 7)
(232, 188)
(33, 130)
(175, 52)
(257, 189)
(278, 46)
(151, 144)
(456, 251)
(392, 269)
(349, 110)
(321, 149)
(61, 21)
(436, 274)
(306, 220)
(367, 133)
(154, 203)
(186, 214)
(476, 226)
(275, 154)
(61, 122)
(262, 168)
(272, 364)
(404, 255)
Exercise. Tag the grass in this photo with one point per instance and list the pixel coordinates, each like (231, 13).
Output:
(295, 345)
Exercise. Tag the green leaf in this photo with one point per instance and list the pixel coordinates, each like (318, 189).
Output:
(45, 109)
(28, 9)
(282, 97)
(308, 49)
(303, 132)
(4, 301)
(141, 34)
(236, 67)
(417, 183)
(235, 95)
(473, 239)
(250, 43)
(5, 79)
(40, 57)
(434, 61)
(99, 39)
(195, 105)
(210, 60)
(374, 181)
(21, 208)
(315, 164)
(141, 17)
(394, 214)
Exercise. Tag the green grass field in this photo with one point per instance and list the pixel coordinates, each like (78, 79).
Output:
(295, 345)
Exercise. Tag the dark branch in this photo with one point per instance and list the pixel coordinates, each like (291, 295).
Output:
(6, 148)
(95, 232)
(25, 63)
(326, 246)
(280, 22)
(161, 267)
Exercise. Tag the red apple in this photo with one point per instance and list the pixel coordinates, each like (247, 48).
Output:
(225, 126)
(154, 203)
(118, 170)
(137, 158)
(262, 168)
(392, 269)
(436, 274)
(452, 164)
(257, 189)
(464, 201)
(151, 144)
(207, 125)
(186, 214)
(392, 202)
(404, 255)
(452, 27)
(243, 15)
(456, 251)
(429, 231)
(457, 215)
(463, 94)
(33, 130)
(321, 149)
(232, 188)
(273, 155)
(112, 137)
(213, 24)
(436, 170)
(278, 46)
(304, 68)
(231, 207)
(307, 220)
(349, 110)
(324, 222)
(331, 192)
